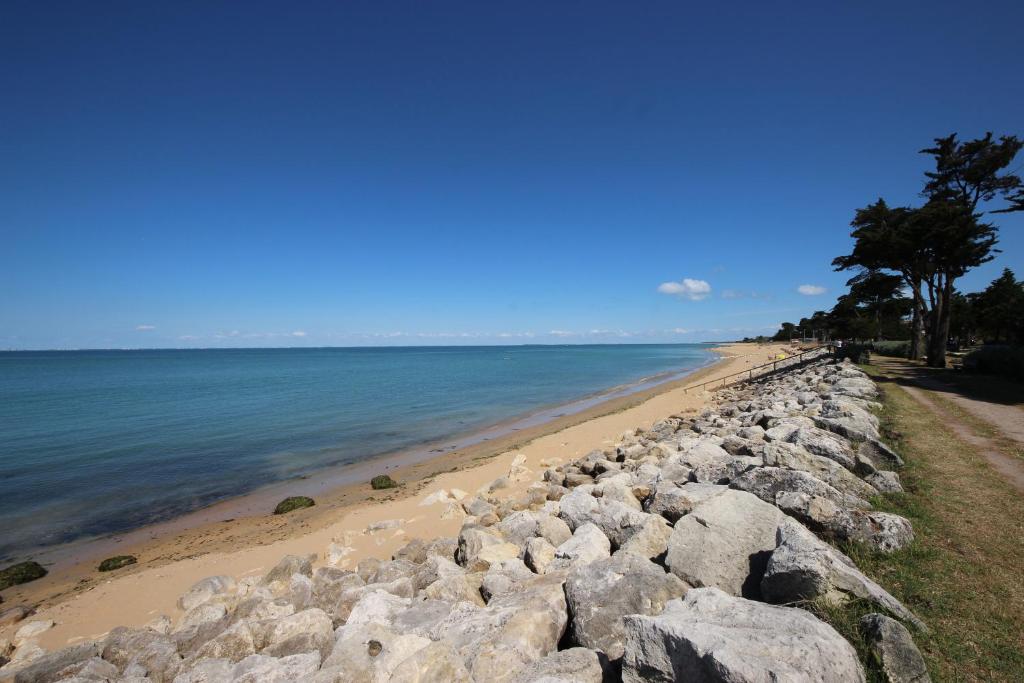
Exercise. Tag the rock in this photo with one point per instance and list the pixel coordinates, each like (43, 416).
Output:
(788, 456)
(393, 571)
(805, 568)
(264, 669)
(374, 606)
(601, 593)
(329, 584)
(503, 576)
(13, 615)
(588, 543)
(672, 502)
(23, 572)
(382, 481)
(880, 455)
(577, 508)
(885, 481)
(820, 442)
(205, 590)
(723, 471)
(435, 662)
(893, 649)
(234, 644)
(207, 671)
(304, 631)
(553, 530)
(415, 551)
(203, 614)
(513, 630)
(153, 652)
(116, 562)
(472, 541)
(369, 654)
(367, 567)
(290, 564)
(459, 588)
(574, 665)
(519, 527)
(711, 636)
(293, 503)
(539, 554)
(768, 482)
(880, 530)
(49, 666)
(31, 629)
(436, 567)
(725, 542)
(651, 542)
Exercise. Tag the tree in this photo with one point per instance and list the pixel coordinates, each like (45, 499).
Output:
(967, 176)
(1000, 308)
(890, 239)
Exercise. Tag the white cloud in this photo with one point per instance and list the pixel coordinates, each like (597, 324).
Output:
(680, 330)
(811, 290)
(687, 288)
(298, 333)
(145, 328)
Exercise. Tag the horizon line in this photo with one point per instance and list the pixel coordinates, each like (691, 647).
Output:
(366, 346)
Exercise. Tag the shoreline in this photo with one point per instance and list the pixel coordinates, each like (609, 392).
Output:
(330, 479)
(240, 537)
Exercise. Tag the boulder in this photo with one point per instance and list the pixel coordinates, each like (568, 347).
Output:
(306, 631)
(154, 652)
(881, 530)
(712, 636)
(672, 502)
(768, 482)
(515, 629)
(290, 564)
(803, 567)
(368, 654)
(601, 593)
(457, 588)
(539, 555)
(725, 542)
(885, 481)
(264, 669)
(574, 665)
(205, 590)
(893, 650)
(791, 457)
(824, 443)
(651, 541)
(54, 666)
(588, 543)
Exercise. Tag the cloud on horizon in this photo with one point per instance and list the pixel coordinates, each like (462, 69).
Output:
(687, 288)
(811, 290)
(145, 328)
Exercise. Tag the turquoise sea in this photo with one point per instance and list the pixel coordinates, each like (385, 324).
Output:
(96, 442)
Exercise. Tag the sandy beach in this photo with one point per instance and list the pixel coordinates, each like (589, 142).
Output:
(241, 538)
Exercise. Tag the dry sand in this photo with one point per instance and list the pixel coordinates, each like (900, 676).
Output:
(239, 537)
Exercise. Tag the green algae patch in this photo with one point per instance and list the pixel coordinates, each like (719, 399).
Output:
(116, 562)
(293, 503)
(23, 572)
(383, 481)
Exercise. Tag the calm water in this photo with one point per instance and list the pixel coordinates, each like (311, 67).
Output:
(93, 442)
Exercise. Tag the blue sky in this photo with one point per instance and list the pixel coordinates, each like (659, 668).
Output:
(273, 174)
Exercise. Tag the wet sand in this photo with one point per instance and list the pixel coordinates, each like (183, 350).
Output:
(240, 537)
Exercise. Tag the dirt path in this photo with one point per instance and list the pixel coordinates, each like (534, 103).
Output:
(1007, 420)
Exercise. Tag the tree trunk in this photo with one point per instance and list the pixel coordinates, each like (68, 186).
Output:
(939, 324)
(917, 326)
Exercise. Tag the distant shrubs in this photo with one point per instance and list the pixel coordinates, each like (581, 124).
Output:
(383, 481)
(896, 349)
(23, 572)
(1006, 361)
(116, 562)
(293, 503)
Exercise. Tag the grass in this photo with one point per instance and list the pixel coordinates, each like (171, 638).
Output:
(964, 574)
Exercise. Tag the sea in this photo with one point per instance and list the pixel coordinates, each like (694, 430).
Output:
(100, 442)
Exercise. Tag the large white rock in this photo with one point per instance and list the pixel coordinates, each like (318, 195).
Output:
(803, 567)
(725, 542)
(588, 543)
(711, 636)
(205, 590)
(601, 593)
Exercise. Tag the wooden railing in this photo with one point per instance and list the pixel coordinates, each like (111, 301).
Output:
(789, 361)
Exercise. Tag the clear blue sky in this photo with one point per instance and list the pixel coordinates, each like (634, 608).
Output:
(250, 173)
